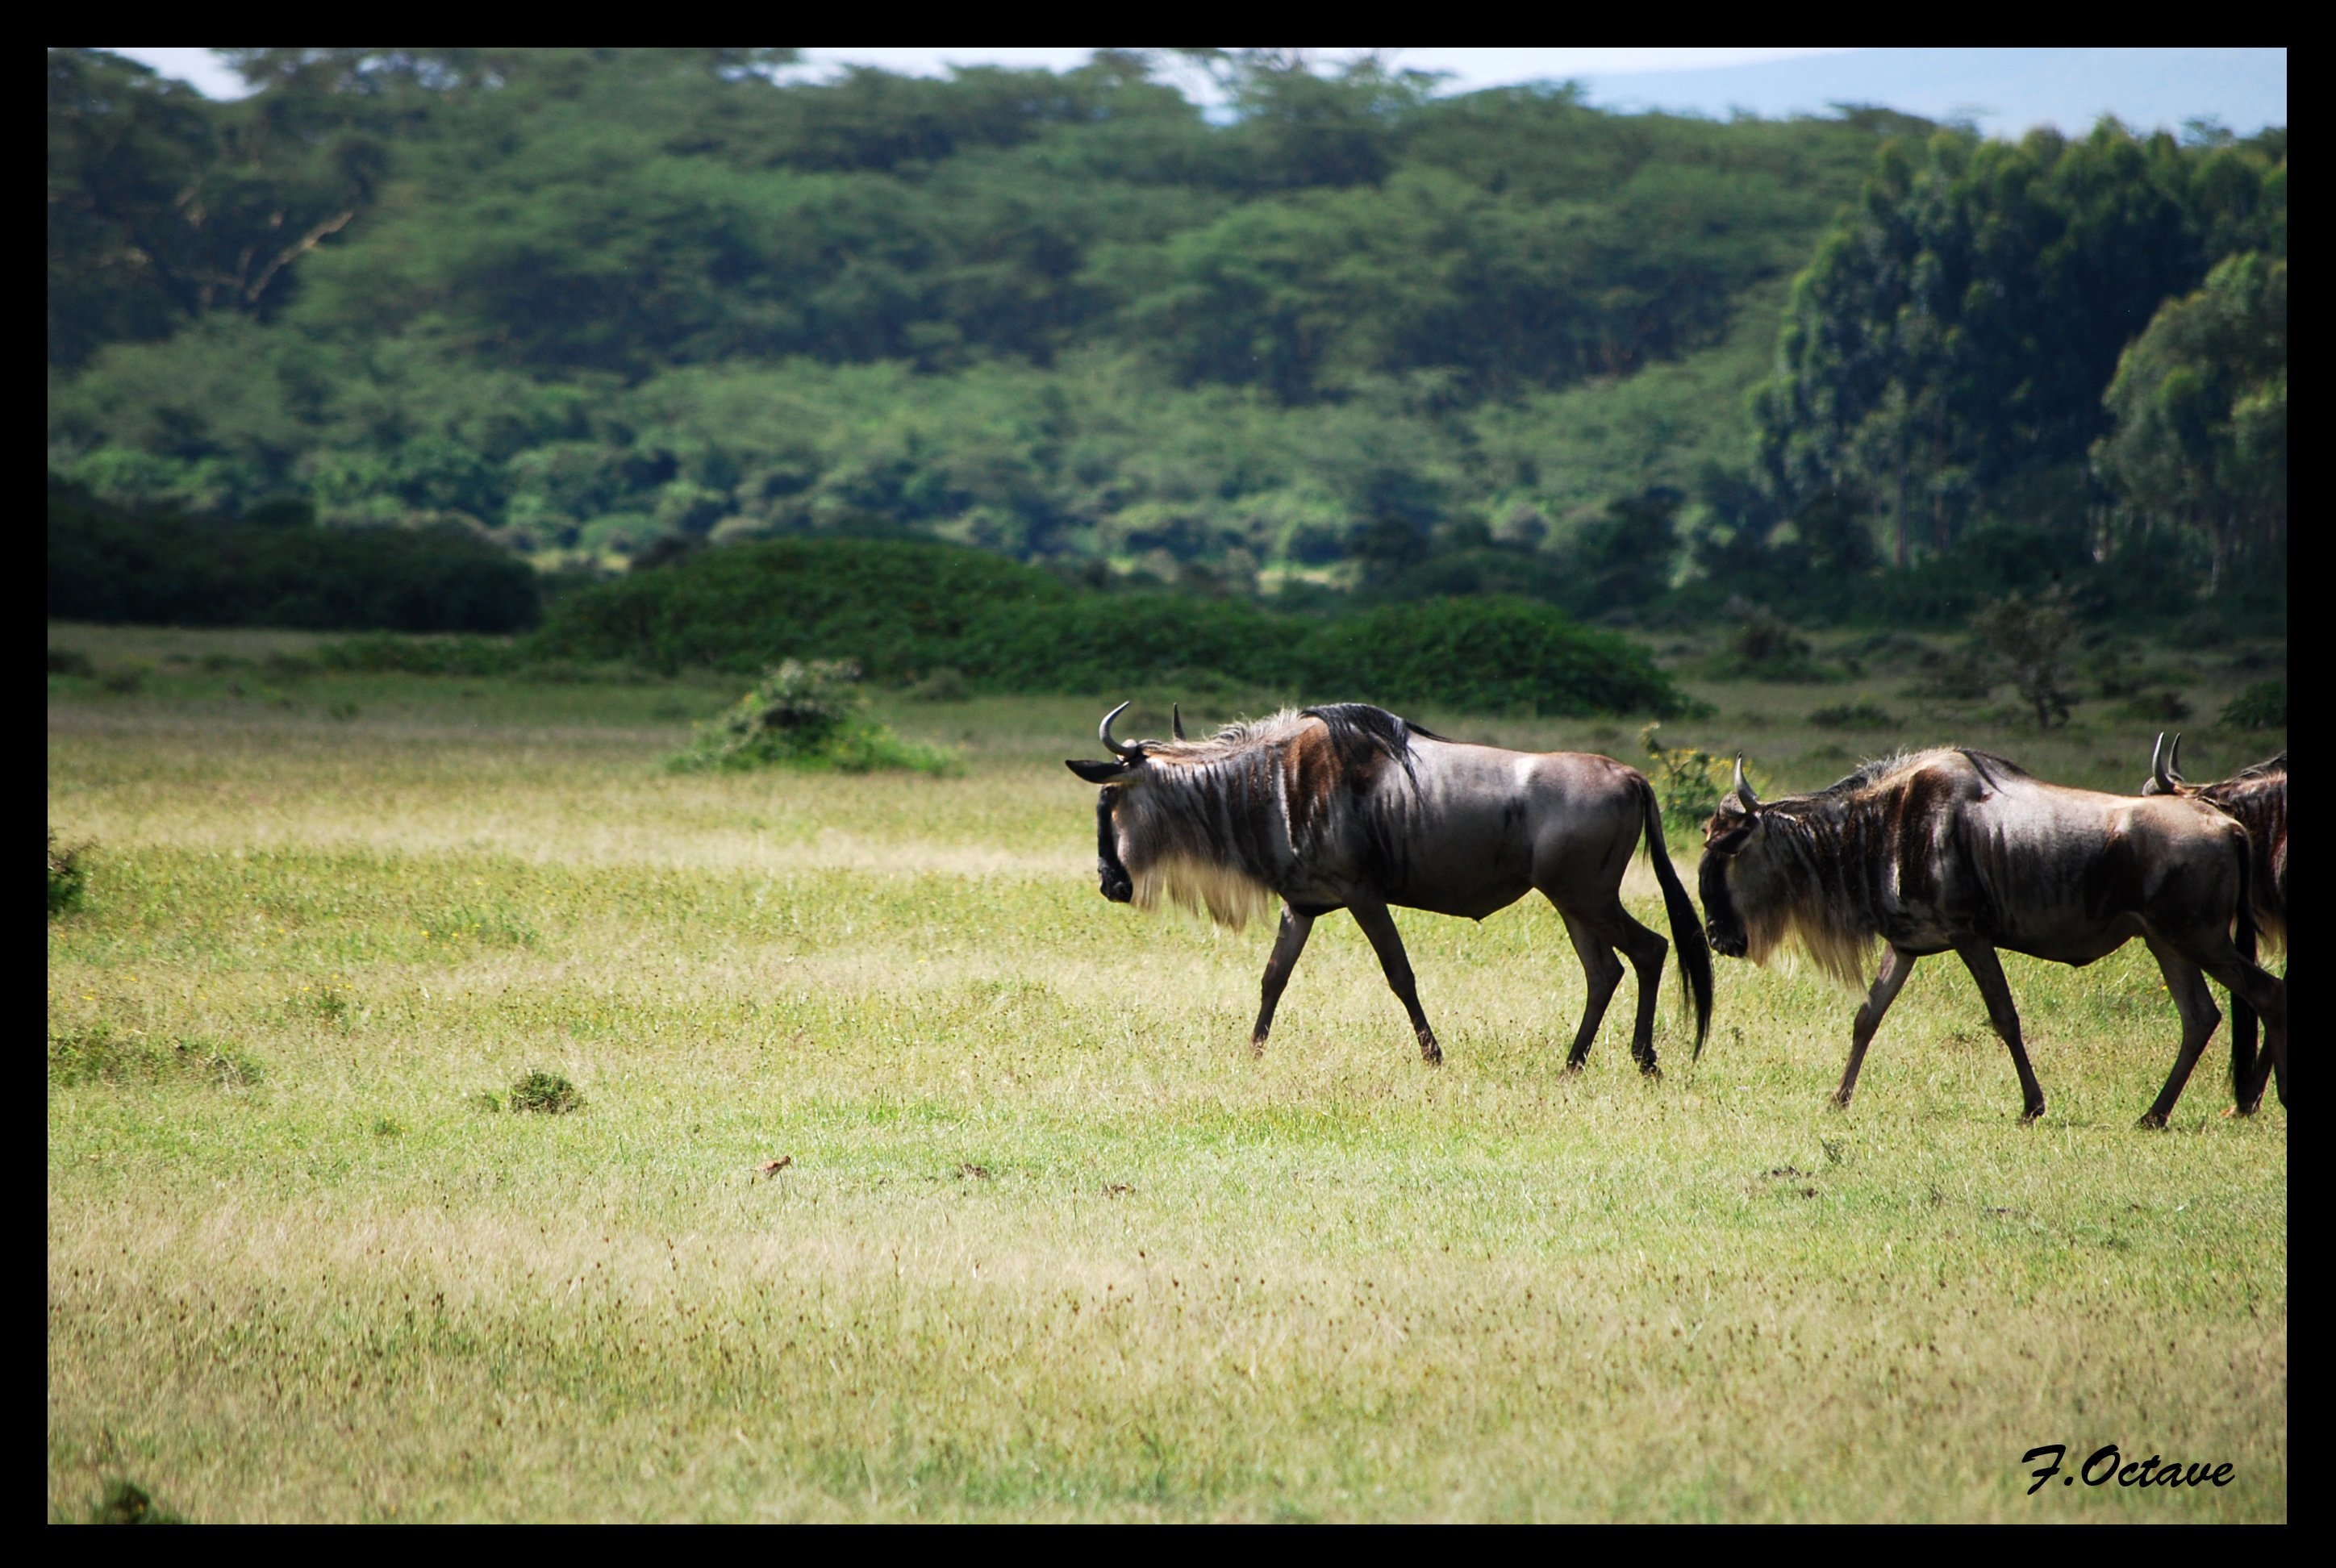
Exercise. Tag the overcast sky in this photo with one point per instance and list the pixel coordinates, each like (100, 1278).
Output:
(2001, 91)
(1470, 68)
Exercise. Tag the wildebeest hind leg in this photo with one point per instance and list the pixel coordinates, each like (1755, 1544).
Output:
(2187, 986)
(1987, 970)
(1287, 946)
(1645, 950)
(2267, 994)
(1379, 927)
(1603, 970)
(1896, 966)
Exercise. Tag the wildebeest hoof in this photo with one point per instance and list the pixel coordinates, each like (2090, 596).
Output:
(1650, 1071)
(2030, 1117)
(1573, 1067)
(1431, 1054)
(2151, 1122)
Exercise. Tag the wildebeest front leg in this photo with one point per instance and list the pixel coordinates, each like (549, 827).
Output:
(1286, 949)
(1987, 970)
(1379, 926)
(2187, 986)
(1896, 966)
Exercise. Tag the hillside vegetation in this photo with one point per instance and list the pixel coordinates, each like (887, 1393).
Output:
(1357, 336)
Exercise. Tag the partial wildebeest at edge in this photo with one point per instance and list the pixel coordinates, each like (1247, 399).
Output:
(1956, 851)
(2256, 797)
(1348, 807)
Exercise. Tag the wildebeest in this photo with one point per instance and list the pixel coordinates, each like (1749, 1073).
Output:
(1957, 851)
(1347, 806)
(2257, 798)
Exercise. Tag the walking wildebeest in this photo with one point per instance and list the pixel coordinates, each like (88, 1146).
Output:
(1347, 806)
(2257, 798)
(1957, 850)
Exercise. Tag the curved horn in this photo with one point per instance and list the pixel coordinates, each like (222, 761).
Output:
(1129, 749)
(2174, 758)
(1176, 720)
(2157, 774)
(1743, 787)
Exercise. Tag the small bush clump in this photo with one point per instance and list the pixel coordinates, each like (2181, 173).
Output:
(546, 1093)
(1688, 781)
(70, 661)
(806, 715)
(126, 1503)
(1852, 716)
(68, 876)
(1765, 647)
(2157, 707)
(2263, 706)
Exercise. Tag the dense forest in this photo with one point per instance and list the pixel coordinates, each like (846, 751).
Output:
(601, 308)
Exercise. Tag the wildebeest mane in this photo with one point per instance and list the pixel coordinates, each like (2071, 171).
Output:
(1219, 817)
(1827, 853)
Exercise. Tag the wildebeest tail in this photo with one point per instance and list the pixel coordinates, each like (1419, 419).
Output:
(2243, 1017)
(1687, 929)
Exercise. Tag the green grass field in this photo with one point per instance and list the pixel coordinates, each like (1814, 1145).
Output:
(1047, 1242)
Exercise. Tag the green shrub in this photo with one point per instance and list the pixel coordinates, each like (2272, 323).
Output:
(546, 1094)
(70, 661)
(159, 568)
(124, 679)
(2263, 706)
(2155, 708)
(1688, 781)
(126, 1503)
(1765, 647)
(1483, 656)
(897, 607)
(893, 607)
(809, 716)
(68, 876)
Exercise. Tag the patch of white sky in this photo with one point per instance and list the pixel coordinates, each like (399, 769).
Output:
(1461, 70)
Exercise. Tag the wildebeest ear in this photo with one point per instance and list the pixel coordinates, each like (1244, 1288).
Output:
(1097, 773)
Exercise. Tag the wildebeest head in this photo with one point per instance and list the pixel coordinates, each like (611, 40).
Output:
(1732, 828)
(1125, 771)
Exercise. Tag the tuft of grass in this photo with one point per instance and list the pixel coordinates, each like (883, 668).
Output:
(68, 876)
(100, 1054)
(811, 716)
(546, 1093)
(70, 661)
(124, 680)
(127, 1502)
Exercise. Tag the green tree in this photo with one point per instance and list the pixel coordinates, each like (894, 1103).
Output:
(2200, 406)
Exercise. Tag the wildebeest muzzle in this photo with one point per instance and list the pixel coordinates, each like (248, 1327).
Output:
(1117, 885)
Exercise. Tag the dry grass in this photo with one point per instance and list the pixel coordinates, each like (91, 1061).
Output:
(1048, 1245)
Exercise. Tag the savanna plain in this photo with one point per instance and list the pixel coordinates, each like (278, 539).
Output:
(908, 1179)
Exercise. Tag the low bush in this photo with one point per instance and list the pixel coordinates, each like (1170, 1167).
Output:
(544, 1093)
(2263, 706)
(70, 661)
(1852, 716)
(808, 716)
(1484, 656)
(898, 608)
(163, 570)
(68, 876)
(126, 1503)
